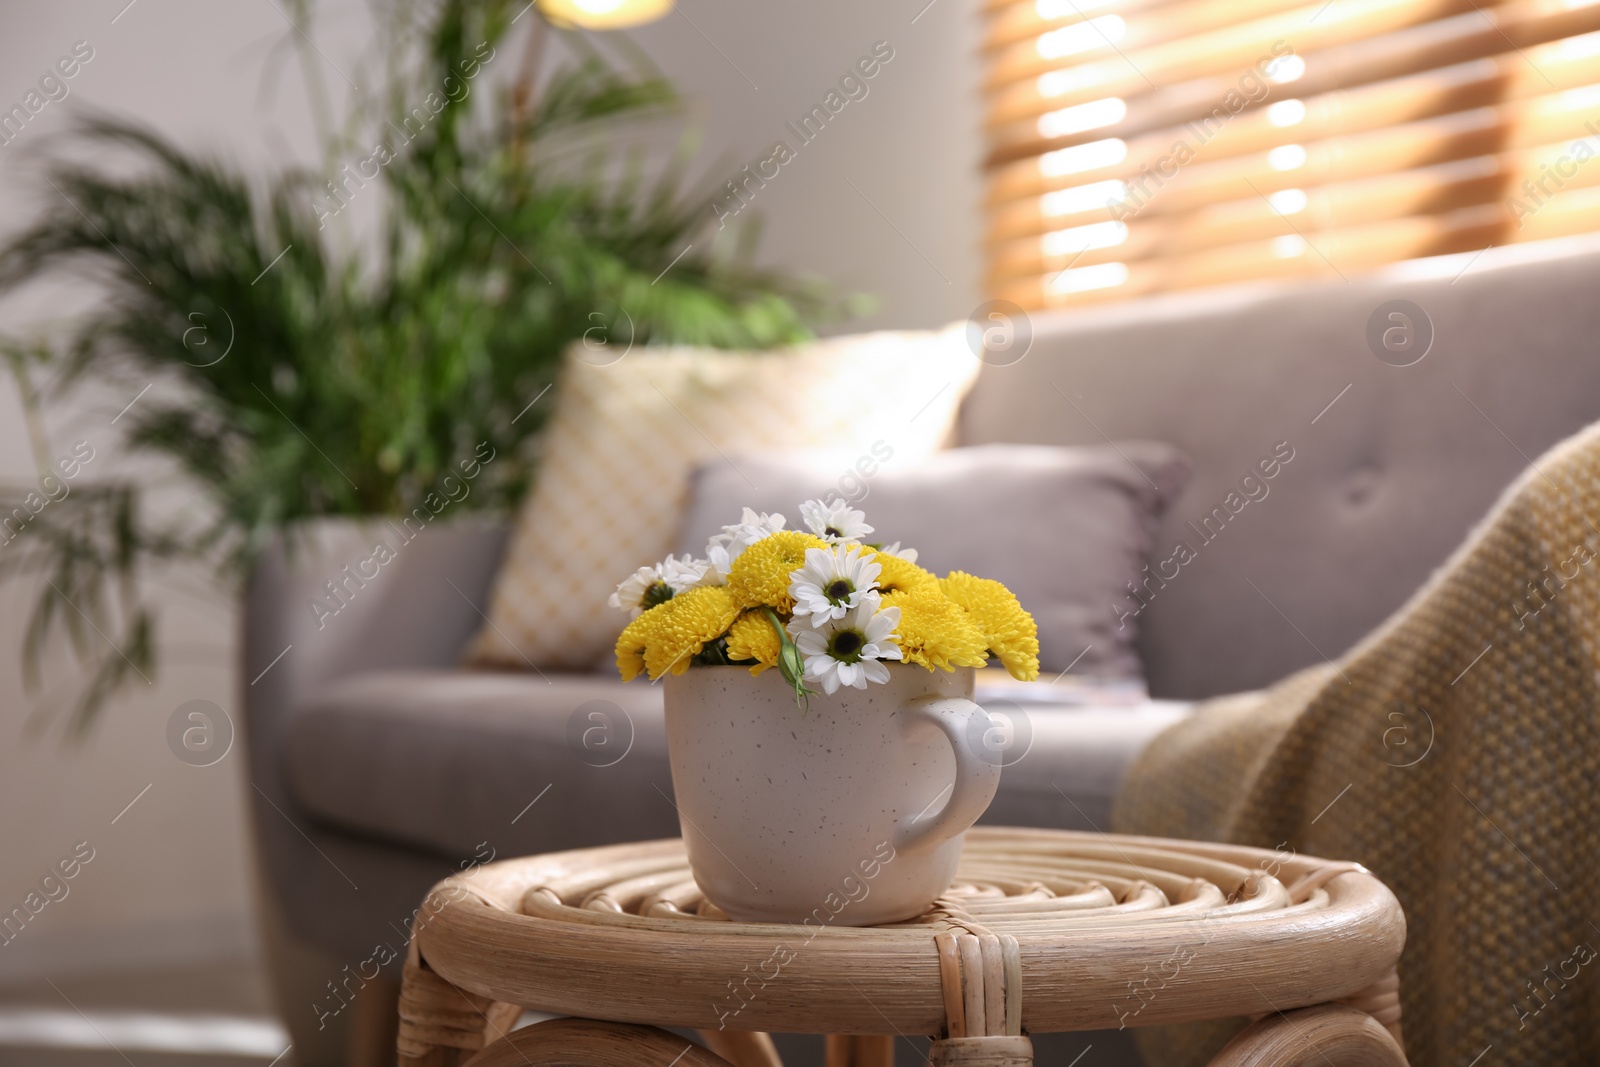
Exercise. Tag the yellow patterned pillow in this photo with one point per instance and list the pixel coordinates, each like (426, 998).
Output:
(614, 465)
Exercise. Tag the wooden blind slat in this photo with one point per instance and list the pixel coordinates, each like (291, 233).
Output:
(1385, 56)
(1021, 24)
(1537, 38)
(1493, 181)
(1425, 236)
(1119, 164)
(1190, 100)
(1377, 142)
(1143, 56)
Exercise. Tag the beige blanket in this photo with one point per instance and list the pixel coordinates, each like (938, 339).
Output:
(1456, 753)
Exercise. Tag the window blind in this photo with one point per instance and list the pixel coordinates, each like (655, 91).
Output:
(1140, 146)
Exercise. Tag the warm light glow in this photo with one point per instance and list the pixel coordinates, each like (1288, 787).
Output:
(1050, 10)
(1287, 157)
(603, 14)
(1286, 113)
(1581, 47)
(1057, 82)
(1081, 37)
(1288, 246)
(1080, 117)
(1286, 69)
(1082, 198)
(1079, 239)
(1579, 99)
(1082, 157)
(1082, 279)
(1288, 201)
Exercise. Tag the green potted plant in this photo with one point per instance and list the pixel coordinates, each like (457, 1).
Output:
(290, 365)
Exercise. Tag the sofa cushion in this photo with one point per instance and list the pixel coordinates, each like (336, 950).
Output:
(447, 760)
(1076, 759)
(1066, 529)
(615, 463)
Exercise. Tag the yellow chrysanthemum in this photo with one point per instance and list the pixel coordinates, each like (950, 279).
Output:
(901, 575)
(687, 622)
(1008, 628)
(635, 638)
(936, 632)
(752, 637)
(760, 576)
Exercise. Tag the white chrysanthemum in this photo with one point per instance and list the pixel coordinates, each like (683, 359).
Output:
(683, 574)
(834, 581)
(835, 521)
(649, 586)
(727, 546)
(907, 554)
(849, 651)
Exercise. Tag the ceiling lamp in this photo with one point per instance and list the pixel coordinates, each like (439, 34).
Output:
(603, 14)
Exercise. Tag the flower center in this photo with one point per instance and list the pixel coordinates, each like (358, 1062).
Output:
(832, 531)
(846, 645)
(839, 590)
(659, 593)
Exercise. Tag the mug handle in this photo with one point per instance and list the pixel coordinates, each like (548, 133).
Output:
(977, 777)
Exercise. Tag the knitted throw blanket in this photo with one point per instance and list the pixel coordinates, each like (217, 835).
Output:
(1456, 753)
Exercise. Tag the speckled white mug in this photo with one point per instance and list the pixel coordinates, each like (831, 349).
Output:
(826, 816)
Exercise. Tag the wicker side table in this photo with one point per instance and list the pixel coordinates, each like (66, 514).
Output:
(1043, 931)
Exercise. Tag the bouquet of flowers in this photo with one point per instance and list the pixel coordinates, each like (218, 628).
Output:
(822, 605)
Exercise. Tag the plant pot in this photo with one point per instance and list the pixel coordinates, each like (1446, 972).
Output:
(833, 815)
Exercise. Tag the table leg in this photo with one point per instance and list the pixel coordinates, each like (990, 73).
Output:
(1329, 1035)
(441, 1025)
(998, 1051)
(589, 1043)
(439, 1056)
(743, 1048)
(376, 1024)
(860, 1050)
(1381, 1000)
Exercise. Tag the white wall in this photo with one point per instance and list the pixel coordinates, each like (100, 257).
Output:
(910, 149)
(884, 201)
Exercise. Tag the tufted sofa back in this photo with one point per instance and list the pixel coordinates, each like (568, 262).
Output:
(1377, 471)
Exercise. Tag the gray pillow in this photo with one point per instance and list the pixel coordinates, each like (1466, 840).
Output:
(1066, 529)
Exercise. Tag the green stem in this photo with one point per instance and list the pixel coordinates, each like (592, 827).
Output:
(790, 663)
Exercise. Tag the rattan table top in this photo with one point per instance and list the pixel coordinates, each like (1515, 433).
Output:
(1042, 931)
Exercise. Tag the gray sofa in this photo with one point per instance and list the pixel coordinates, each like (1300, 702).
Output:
(378, 766)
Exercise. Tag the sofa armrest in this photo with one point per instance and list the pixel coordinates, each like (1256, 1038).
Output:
(338, 597)
(332, 598)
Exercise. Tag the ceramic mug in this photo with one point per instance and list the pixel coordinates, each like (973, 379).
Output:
(830, 815)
